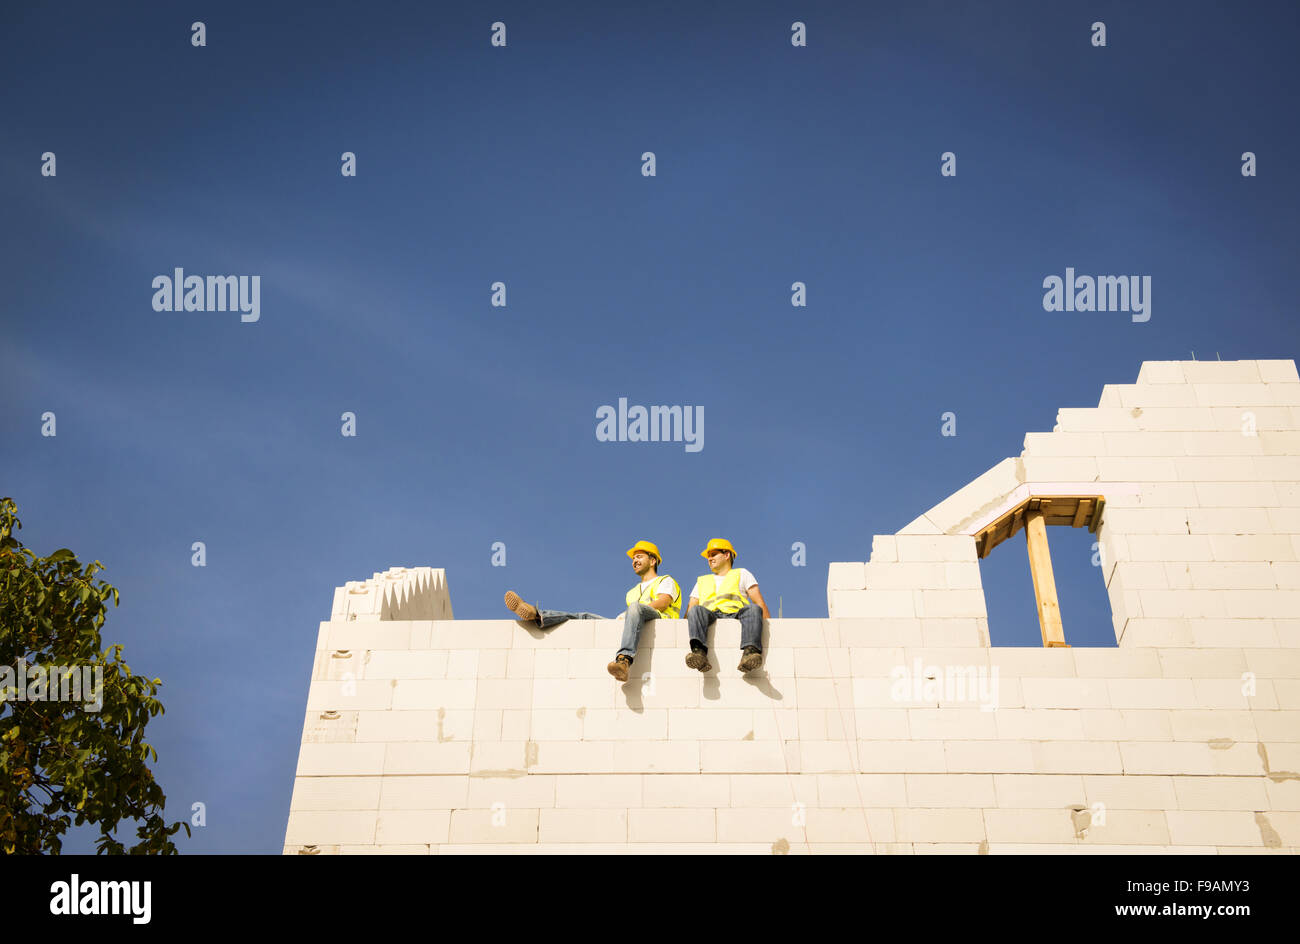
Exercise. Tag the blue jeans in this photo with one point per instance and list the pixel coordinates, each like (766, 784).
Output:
(638, 614)
(549, 618)
(751, 625)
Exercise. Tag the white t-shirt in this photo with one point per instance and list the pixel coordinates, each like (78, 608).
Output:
(746, 580)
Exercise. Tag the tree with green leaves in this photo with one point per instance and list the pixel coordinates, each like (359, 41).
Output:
(66, 762)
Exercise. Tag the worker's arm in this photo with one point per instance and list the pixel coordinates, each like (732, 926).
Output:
(662, 602)
(757, 597)
(692, 604)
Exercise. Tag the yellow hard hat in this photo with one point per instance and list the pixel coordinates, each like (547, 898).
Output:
(646, 546)
(718, 544)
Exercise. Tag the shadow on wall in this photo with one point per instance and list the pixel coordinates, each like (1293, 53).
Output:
(1009, 591)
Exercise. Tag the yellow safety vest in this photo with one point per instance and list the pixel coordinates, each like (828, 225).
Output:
(723, 596)
(646, 592)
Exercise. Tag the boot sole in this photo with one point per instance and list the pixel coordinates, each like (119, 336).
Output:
(698, 660)
(520, 608)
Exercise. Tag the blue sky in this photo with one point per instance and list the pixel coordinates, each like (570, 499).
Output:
(522, 165)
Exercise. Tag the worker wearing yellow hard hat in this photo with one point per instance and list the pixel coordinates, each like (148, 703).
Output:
(656, 596)
(728, 592)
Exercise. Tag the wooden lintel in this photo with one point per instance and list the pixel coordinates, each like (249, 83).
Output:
(1073, 510)
(1097, 508)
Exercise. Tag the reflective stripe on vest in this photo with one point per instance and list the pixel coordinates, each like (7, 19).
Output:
(646, 592)
(726, 598)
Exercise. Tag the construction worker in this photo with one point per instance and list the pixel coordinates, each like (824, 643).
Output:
(654, 597)
(728, 591)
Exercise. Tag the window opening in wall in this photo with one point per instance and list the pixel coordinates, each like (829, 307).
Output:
(1061, 574)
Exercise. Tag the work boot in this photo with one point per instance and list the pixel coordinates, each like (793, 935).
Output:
(618, 668)
(750, 660)
(698, 659)
(520, 608)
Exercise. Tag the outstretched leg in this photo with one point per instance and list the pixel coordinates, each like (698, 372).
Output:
(545, 619)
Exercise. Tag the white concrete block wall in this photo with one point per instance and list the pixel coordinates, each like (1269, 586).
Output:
(891, 726)
(858, 737)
